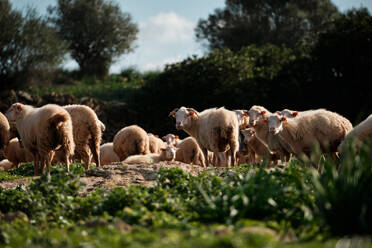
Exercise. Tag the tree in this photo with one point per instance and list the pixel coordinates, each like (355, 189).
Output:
(27, 44)
(97, 32)
(246, 22)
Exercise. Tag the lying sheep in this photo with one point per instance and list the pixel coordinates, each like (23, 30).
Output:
(216, 130)
(243, 118)
(43, 131)
(322, 127)
(107, 154)
(131, 140)
(4, 131)
(6, 165)
(172, 139)
(188, 151)
(258, 147)
(360, 133)
(155, 144)
(87, 132)
(16, 154)
(167, 154)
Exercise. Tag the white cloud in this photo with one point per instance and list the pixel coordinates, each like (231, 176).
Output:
(166, 28)
(160, 65)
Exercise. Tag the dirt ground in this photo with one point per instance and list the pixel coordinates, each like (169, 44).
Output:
(119, 174)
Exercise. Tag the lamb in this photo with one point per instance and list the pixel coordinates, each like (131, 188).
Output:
(216, 130)
(107, 154)
(258, 147)
(188, 151)
(6, 165)
(243, 118)
(322, 127)
(257, 119)
(43, 131)
(155, 144)
(360, 133)
(87, 132)
(131, 140)
(172, 139)
(16, 154)
(167, 154)
(4, 131)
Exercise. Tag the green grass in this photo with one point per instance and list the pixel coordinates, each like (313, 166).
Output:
(112, 88)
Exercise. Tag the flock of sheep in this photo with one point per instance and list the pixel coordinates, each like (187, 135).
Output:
(55, 134)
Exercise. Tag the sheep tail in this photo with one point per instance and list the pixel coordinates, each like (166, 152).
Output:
(62, 132)
(95, 132)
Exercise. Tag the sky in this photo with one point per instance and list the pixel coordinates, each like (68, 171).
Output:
(166, 28)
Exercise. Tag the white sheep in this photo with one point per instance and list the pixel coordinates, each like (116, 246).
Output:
(171, 139)
(320, 127)
(131, 140)
(155, 144)
(4, 131)
(216, 130)
(107, 154)
(188, 151)
(16, 154)
(43, 131)
(87, 132)
(167, 154)
(258, 119)
(360, 133)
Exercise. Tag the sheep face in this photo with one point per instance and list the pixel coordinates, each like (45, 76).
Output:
(170, 139)
(184, 117)
(254, 116)
(248, 134)
(14, 111)
(275, 123)
(288, 113)
(170, 153)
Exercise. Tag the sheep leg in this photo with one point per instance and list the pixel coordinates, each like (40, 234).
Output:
(205, 152)
(95, 151)
(86, 159)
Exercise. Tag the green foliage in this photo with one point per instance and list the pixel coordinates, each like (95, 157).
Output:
(97, 32)
(242, 23)
(28, 45)
(343, 197)
(221, 78)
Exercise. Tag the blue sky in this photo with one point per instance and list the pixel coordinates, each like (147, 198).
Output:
(166, 28)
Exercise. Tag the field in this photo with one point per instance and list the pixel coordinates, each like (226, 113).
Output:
(176, 205)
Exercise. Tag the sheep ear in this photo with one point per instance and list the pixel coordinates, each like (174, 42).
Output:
(176, 137)
(246, 113)
(163, 138)
(173, 113)
(294, 114)
(157, 136)
(263, 112)
(18, 107)
(192, 111)
(284, 119)
(278, 112)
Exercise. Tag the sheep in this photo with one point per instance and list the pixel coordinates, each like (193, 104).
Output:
(87, 132)
(360, 133)
(155, 144)
(322, 127)
(43, 131)
(6, 165)
(216, 130)
(16, 154)
(167, 154)
(4, 131)
(107, 154)
(243, 118)
(258, 147)
(188, 151)
(131, 140)
(257, 119)
(172, 139)
(293, 113)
